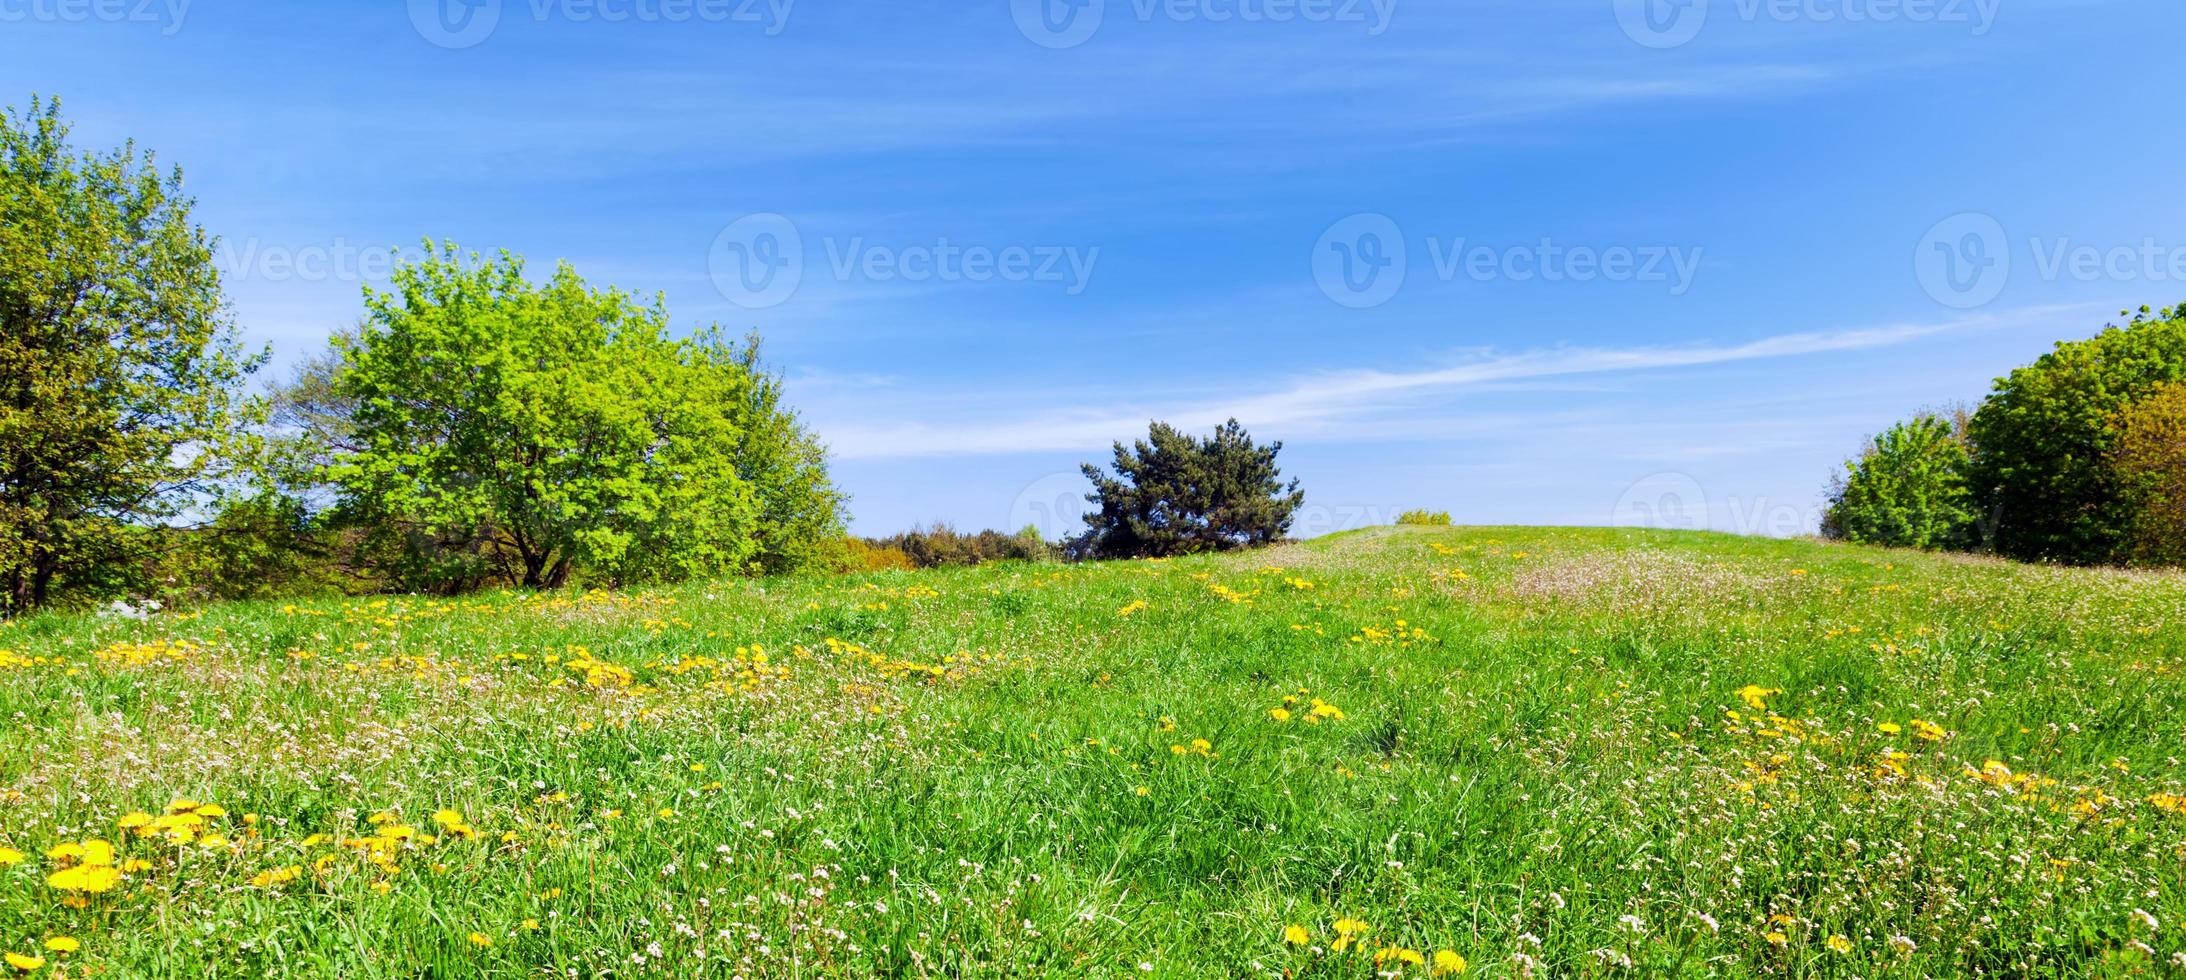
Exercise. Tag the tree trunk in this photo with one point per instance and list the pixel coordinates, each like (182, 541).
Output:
(41, 581)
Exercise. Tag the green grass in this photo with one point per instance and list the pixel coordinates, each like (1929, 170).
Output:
(1544, 762)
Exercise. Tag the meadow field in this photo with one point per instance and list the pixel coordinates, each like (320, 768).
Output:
(1404, 752)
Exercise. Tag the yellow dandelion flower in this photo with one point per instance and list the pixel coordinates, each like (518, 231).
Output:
(1838, 944)
(481, 940)
(1296, 935)
(1449, 964)
(1279, 714)
(63, 944)
(91, 879)
(25, 963)
(1756, 696)
(10, 857)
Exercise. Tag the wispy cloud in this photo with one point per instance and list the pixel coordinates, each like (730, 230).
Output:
(1347, 396)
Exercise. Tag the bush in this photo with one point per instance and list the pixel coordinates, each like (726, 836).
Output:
(1907, 489)
(941, 545)
(1172, 494)
(2045, 439)
(1425, 518)
(2150, 461)
(858, 555)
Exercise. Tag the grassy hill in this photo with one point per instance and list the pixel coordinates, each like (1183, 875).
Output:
(1547, 750)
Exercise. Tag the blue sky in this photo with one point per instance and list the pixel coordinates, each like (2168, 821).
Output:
(1657, 266)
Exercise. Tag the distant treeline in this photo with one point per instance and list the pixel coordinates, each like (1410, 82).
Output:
(941, 545)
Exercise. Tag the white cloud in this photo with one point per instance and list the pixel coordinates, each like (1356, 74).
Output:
(1321, 399)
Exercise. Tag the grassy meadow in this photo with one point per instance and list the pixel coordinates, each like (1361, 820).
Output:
(1499, 752)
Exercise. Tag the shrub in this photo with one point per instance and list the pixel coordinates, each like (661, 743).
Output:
(2150, 461)
(2045, 439)
(858, 555)
(1426, 518)
(941, 545)
(1172, 494)
(1907, 488)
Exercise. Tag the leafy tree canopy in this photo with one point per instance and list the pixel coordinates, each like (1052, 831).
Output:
(2044, 439)
(524, 431)
(2150, 460)
(120, 374)
(1907, 489)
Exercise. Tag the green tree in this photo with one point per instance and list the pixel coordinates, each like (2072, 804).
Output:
(2043, 441)
(1907, 488)
(2150, 461)
(800, 523)
(120, 373)
(501, 429)
(1172, 494)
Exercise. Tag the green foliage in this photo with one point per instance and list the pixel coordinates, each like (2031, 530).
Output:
(257, 547)
(2044, 440)
(857, 555)
(501, 430)
(2150, 461)
(800, 515)
(1424, 518)
(942, 545)
(120, 374)
(1907, 489)
(1172, 494)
